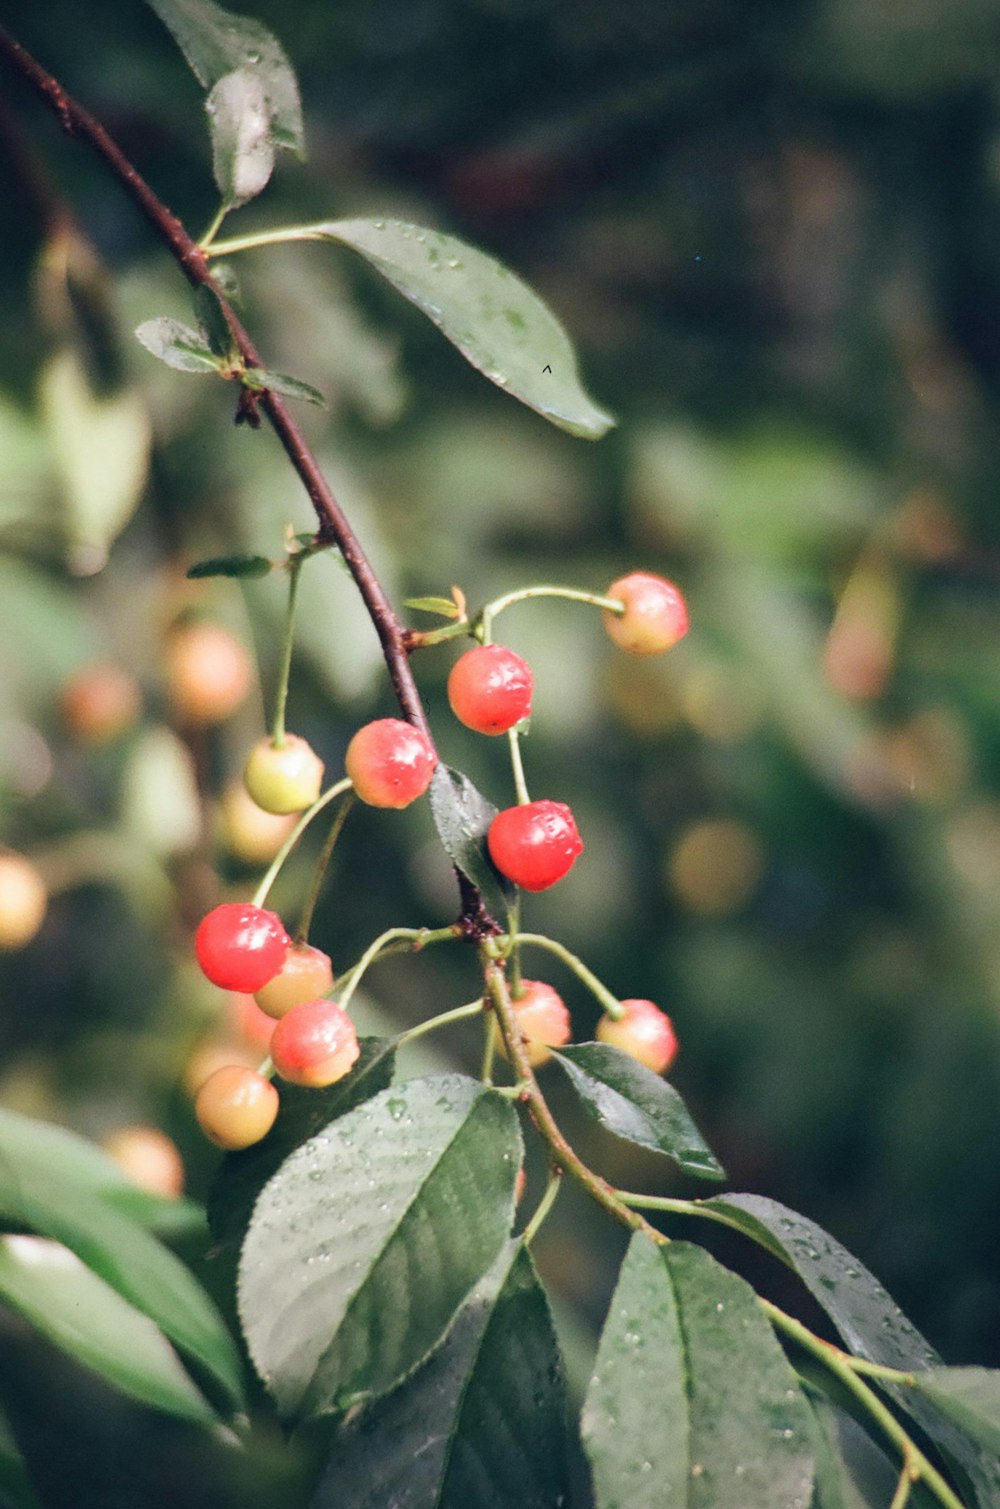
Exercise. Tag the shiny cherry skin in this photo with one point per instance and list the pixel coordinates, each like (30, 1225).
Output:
(644, 1032)
(489, 689)
(535, 844)
(655, 615)
(390, 763)
(315, 1044)
(240, 946)
(236, 1107)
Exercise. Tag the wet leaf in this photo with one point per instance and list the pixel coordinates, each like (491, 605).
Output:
(482, 1423)
(182, 348)
(462, 816)
(370, 1236)
(259, 378)
(637, 1105)
(495, 320)
(231, 565)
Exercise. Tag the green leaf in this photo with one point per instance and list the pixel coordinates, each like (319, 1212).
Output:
(370, 1236)
(866, 1316)
(446, 607)
(213, 323)
(182, 348)
(969, 1397)
(836, 1485)
(637, 1105)
(302, 1114)
(30, 1148)
(462, 816)
(749, 1422)
(52, 1290)
(635, 1415)
(231, 565)
(218, 42)
(242, 149)
(482, 1423)
(260, 378)
(484, 309)
(690, 1379)
(47, 1197)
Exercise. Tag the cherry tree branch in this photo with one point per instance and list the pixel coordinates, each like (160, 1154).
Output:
(333, 524)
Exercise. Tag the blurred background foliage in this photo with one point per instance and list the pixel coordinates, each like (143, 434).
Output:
(772, 231)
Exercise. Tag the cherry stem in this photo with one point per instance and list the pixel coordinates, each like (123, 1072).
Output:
(493, 609)
(545, 1204)
(610, 1002)
(322, 864)
(416, 936)
(412, 940)
(456, 1014)
(563, 1155)
(260, 895)
(288, 637)
(490, 1047)
(215, 225)
(520, 785)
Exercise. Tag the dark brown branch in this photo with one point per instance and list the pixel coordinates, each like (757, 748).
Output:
(333, 524)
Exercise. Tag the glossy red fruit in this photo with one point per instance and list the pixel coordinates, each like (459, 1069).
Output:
(490, 689)
(534, 845)
(644, 1032)
(283, 778)
(655, 616)
(390, 763)
(305, 974)
(543, 1019)
(236, 1107)
(240, 946)
(315, 1044)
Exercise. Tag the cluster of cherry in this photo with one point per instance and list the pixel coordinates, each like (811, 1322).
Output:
(389, 763)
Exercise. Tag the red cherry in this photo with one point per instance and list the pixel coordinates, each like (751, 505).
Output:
(315, 1044)
(390, 763)
(543, 1019)
(490, 688)
(240, 946)
(655, 616)
(534, 845)
(236, 1107)
(644, 1032)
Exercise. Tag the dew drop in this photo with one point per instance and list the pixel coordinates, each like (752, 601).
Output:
(454, 262)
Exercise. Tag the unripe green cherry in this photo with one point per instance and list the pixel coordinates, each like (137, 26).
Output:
(305, 975)
(315, 1044)
(655, 615)
(390, 762)
(284, 777)
(644, 1032)
(236, 1107)
(544, 1021)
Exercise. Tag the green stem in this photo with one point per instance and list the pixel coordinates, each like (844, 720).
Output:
(545, 1204)
(234, 244)
(841, 1365)
(209, 236)
(562, 1154)
(260, 895)
(413, 940)
(573, 594)
(336, 827)
(457, 1014)
(520, 785)
(903, 1487)
(281, 702)
(416, 936)
(610, 1002)
(490, 1049)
